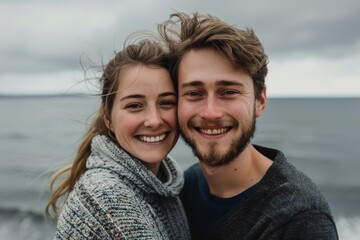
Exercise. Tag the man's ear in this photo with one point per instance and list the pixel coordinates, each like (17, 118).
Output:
(261, 103)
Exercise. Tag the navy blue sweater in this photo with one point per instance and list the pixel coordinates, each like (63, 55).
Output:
(285, 204)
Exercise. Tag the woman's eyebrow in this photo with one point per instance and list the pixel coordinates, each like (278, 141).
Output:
(143, 96)
(165, 94)
(132, 96)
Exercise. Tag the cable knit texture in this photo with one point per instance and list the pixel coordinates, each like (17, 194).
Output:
(118, 197)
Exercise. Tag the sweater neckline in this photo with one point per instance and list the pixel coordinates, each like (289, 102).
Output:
(106, 154)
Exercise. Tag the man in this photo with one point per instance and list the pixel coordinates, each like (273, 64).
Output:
(238, 190)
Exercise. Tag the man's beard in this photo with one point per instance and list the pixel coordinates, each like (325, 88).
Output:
(215, 159)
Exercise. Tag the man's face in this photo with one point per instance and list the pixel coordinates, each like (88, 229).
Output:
(217, 109)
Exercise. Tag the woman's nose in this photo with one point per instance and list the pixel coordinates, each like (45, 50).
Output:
(153, 118)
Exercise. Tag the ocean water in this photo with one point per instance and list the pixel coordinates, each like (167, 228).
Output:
(37, 134)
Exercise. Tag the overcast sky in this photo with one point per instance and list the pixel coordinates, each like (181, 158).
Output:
(313, 45)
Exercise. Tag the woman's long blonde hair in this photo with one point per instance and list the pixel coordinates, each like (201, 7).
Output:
(147, 52)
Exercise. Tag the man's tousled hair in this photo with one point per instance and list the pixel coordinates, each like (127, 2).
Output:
(183, 32)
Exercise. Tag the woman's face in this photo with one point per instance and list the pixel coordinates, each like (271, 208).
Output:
(143, 116)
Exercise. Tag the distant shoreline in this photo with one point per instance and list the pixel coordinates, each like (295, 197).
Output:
(7, 96)
(46, 95)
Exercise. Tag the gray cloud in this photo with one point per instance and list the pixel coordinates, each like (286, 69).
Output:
(48, 36)
(318, 27)
(321, 31)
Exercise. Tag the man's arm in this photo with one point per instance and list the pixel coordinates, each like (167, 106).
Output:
(308, 225)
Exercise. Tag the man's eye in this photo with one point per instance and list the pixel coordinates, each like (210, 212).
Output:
(193, 94)
(229, 92)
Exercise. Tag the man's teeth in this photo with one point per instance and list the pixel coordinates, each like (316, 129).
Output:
(213, 131)
(153, 138)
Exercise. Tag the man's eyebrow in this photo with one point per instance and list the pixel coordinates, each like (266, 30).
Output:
(229, 83)
(218, 83)
(192, 84)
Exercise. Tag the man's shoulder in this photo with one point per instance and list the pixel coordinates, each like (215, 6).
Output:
(285, 185)
(284, 174)
(192, 177)
(193, 171)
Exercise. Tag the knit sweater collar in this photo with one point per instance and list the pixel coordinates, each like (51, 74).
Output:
(108, 155)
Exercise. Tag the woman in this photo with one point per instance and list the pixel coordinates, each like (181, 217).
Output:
(121, 184)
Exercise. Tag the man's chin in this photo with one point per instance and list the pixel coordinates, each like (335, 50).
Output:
(214, 161)
(209, 155)
(215, 157)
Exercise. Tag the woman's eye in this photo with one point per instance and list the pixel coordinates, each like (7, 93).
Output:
(168, 103)
(133, 106)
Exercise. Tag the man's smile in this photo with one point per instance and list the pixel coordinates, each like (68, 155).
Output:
(213, 131)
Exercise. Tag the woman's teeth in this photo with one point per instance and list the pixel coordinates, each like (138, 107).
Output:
(152, 139)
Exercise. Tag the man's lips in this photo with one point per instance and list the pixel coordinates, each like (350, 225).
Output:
(213, 131)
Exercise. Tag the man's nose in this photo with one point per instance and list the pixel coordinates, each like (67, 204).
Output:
(211, 109)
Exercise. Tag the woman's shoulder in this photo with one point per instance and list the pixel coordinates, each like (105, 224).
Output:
(101, 194)
(101, 205)
(101, 183)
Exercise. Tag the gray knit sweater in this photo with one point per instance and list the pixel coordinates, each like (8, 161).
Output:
(118, 197)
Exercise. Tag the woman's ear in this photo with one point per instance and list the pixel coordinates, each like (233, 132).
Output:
(261, 103)
(107, 122)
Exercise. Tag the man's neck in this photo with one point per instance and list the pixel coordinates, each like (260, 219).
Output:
(247, 169)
